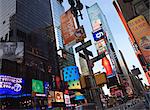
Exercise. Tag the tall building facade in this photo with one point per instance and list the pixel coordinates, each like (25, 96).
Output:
(31, 22)
(57, 11)
(134, 15)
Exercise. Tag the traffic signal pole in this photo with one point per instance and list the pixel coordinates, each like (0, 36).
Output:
(94, 91)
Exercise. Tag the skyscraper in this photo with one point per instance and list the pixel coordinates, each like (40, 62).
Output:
(31, 22)
(57, 11)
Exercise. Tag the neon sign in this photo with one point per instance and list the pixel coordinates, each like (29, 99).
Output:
(10, 85)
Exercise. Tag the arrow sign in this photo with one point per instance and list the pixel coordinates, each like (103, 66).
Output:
(88, 52)
(81, 55)
(84, 45)
(98, 57)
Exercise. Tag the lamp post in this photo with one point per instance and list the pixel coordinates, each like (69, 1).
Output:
(76, 7)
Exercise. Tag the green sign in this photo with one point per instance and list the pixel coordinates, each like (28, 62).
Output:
(37, 86)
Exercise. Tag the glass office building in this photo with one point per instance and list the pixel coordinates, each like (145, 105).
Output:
(31, 22)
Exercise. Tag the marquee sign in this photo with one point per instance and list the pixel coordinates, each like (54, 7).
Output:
(10, 85)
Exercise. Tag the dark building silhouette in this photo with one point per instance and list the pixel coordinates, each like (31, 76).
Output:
(29, 21)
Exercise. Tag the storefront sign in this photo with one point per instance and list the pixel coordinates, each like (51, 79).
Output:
(10, 85)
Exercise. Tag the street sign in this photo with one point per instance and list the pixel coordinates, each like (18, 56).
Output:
(98, 35)
(84, 45)
(88, 52)
(98, 57)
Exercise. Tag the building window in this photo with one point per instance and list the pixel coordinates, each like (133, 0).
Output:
(147, 3)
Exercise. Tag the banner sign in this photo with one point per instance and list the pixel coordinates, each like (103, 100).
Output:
(141, 32)
(68, 27)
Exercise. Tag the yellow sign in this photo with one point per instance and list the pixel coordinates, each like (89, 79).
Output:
(141, 32)
(100, 78)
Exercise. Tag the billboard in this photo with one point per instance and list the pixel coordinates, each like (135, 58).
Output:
(100, 78)
(68, 27)
(13, 51)
(99, 35)
(94, 16)
(74, 84)
(10, 85)
(101, 47)
(37, 86)
(70, 73)
(141, 32)
(59, 96)
(67, 99)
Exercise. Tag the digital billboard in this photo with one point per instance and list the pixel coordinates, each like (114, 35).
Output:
(70, 73)
(67, 99)
(68, 27)
(74, 84)
(101, 47)
(141, 32)
(10, 85)
(37, 86)
(13, 51)
(59, 96)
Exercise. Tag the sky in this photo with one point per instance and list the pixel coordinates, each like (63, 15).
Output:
(119, 33)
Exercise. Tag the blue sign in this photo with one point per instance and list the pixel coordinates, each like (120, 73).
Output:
(98, 35)
(71, 73)
(10, 85)
(46, 87)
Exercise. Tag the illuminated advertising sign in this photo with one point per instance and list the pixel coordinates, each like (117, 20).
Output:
(59, 96)
(46, 87)
(68, 27)
(67, 99)
(10, 85)
(12, 51)
(106, 64)
(141, 32)
(37, 86)
(98, 35)
(94, 13)
(100, 78)
(70, 73)
(74, 84)
(101, 47)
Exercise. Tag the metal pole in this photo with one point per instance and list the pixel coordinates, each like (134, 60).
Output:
(95, 92)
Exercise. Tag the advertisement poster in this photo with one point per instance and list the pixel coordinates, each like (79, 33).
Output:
(94, 16)
(59, 96)
(67, 99)
(68, 27)
(101, 46)
(37, 86)
(12, 51)
(141, 32)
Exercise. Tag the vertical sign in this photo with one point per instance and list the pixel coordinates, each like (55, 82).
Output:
(141, 31)
(68, 27)
(94, 16)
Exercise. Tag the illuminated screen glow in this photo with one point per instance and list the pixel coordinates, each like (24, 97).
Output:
(71, 73)
(37, 86)
(74, 84)
(10, 85)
